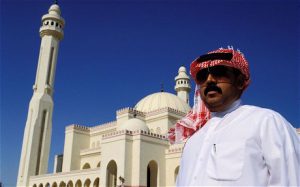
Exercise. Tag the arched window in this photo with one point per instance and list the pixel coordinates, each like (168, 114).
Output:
(34, 185)
(47, 185)
(98, 165)
(62, 184)
(70, 184)
(111, 174)
(78, 183)
(54, 184)
(96, 182)
(176, 173)
(87, 183)
(86, 166)
(41, 185)
(152, 170)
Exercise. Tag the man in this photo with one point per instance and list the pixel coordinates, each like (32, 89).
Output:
(231, 144)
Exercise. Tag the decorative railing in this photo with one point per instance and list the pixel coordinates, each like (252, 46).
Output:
(104, 125)
(136, 132)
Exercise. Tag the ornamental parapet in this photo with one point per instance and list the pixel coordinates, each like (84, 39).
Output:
(78, 127)
(166, 109)
(104, 126)
(130, 111)
(133, 133)
(63, 178)
(177, 148)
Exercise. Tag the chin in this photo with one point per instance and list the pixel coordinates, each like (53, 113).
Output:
(214, 105)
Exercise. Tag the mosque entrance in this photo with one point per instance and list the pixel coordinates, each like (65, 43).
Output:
(111, 174)
(152, 174)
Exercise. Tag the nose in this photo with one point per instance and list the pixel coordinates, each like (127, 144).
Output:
(211, 78)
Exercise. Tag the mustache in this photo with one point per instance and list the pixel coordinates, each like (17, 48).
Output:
(212, 87)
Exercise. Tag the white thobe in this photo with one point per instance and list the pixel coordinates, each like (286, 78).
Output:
(243, 146)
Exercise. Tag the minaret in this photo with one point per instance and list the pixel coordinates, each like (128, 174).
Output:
(37, 133)
(183, 85)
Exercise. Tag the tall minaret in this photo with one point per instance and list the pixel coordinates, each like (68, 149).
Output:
(183, 85)
(37, 133)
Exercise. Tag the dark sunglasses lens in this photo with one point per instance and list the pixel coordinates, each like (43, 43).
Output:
(218, 71)
(202, 75)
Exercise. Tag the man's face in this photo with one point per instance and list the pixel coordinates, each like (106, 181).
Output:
(220, 86)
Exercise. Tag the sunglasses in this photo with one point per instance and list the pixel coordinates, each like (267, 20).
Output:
(218, 72)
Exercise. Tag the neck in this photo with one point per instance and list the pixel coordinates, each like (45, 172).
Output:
(231, 108)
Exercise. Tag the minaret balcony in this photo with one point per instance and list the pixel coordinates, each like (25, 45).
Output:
(52, 31)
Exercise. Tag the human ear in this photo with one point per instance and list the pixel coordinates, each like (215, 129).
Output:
(240, 82)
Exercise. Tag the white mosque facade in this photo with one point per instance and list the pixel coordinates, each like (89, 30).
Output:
(130, 151)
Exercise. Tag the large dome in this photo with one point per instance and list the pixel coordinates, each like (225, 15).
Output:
(161, 100)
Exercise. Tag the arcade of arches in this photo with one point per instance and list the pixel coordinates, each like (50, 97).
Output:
(111, 177)
(70, 183)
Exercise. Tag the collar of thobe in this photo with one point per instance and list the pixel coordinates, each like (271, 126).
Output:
(236, 104)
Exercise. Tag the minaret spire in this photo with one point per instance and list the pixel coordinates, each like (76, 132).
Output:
(162, 87)
(37, 133)
(183, 85)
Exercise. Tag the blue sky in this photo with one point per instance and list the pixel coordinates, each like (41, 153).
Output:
(116, 52)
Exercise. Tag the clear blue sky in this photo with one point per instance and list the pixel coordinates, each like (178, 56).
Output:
(116, 52)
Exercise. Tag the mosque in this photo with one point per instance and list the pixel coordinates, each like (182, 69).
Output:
(130, 151)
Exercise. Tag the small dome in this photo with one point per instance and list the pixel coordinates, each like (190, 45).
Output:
(54, 9)
(182, 69)
(182, 74)
(161, 100)
(133, 125)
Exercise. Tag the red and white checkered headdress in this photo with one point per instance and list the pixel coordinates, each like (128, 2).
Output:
(234, 59)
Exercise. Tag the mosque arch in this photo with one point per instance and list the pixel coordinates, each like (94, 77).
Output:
(152, 170)
(78, 183)
(41, 185)
(47, 184)
(86, 166)
(111, 174)
(87, 183)
(54, 184)
(70, 184)
(96, 182)
(62, 184)
(34, 185)
(176, 173)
